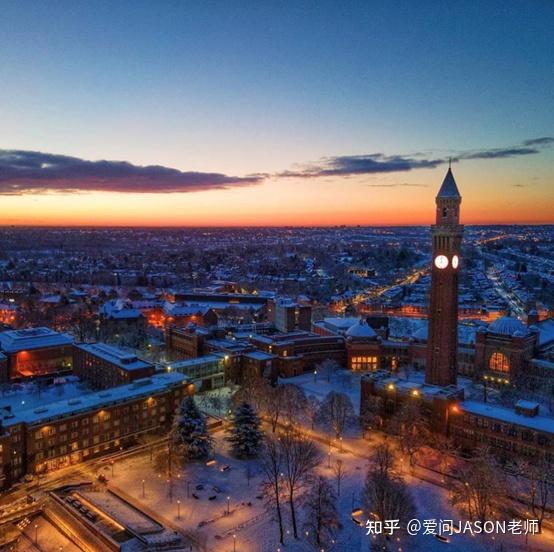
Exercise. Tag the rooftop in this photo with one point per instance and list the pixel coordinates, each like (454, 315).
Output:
(123, 359)
(90, 401)
(539, 423)
(449, 189)
(13, 341)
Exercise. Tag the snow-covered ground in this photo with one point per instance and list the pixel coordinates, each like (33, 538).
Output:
(255, 528)
(46, 536)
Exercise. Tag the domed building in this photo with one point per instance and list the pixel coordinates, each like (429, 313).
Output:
(363, 347)
(503, 350)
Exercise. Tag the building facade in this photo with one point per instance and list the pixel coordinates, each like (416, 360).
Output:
(35, 352)
(104, 366)
(59, 434)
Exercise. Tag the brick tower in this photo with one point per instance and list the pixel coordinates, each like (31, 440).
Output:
(442, 343)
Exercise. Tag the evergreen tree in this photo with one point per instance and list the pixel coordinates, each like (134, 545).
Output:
(245, 435)
(190, 432)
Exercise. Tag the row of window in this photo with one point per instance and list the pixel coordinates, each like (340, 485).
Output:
(511, 430)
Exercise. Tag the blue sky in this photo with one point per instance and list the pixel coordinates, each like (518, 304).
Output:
(247, 87)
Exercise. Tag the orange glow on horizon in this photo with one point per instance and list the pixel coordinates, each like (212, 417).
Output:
(368, 201)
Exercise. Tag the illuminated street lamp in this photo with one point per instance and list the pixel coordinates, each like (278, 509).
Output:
(143, 488)
(36, 535)
(178, 509)
(315, 376)
(228, 501)
(234, 543)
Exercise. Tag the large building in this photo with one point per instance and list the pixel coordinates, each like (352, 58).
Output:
(289, 316)
(51, 436)
(35, 352)
(104, 366)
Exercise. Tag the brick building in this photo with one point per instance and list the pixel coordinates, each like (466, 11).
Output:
(104, 366)
(35, 352)
(52, 436)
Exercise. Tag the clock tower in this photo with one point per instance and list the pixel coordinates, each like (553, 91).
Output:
(442, 342)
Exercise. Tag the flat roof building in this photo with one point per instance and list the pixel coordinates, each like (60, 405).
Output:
(36, 352)
(106, 366)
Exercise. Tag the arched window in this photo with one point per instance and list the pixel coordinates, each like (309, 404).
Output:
(499, 362)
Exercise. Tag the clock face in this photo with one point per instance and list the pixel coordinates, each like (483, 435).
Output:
(441, 261)
(455, 261)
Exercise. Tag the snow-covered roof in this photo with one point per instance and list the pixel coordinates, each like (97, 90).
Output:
(258, 355)
(91, 401)
(123, 359)
(335, 323)
(546, 331)
(361, 330)
(181, 365)
(539, 423)
(182, 309)
(118, 309)
(13, 341)
(449, 189)
(466, 333)
(508, 325)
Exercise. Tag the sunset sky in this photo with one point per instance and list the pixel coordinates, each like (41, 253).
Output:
(265, 113)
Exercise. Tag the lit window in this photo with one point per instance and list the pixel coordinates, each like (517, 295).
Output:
(499, 362)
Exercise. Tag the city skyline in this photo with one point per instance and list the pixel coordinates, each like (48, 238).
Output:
(254, 116)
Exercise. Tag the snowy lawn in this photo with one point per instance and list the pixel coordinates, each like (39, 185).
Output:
(255, 528)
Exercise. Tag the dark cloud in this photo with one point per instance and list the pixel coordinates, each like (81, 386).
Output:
(36, 172)
(544, 141)
(499, 153)
(527, 147)
(375, 163)
(31, 172)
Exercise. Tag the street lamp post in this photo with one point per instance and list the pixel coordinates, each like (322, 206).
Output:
(228, 501)
(36, 535)
(329, 459)
(234, 543)
(178, 509)
(315, 376)
(143, 488)
(112, 463)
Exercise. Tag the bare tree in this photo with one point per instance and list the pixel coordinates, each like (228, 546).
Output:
(167, 461)
(300, 457)
(339, 472)
(337, 411)
(294, 401)
(412, 429)
(322, 517)
(480, 484)
(274, 405)
(272, 466)
(311, 408)
(386, 495)
(253, 391)
(538, 477)
(327, 368)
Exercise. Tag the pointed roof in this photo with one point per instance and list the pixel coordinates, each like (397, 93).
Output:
(449, 190)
